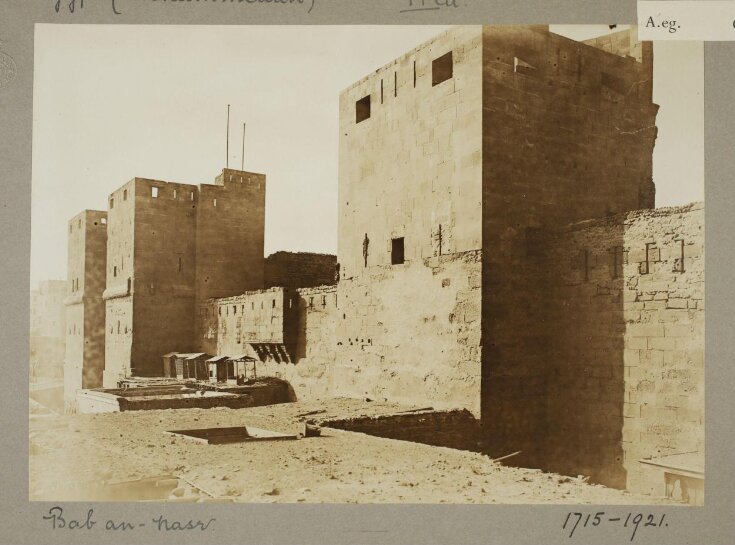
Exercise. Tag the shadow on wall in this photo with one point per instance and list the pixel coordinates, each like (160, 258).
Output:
(553, 373)
(585, 324)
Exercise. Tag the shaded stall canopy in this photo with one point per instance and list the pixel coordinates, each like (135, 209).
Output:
(271, 351)
(235, 369)
(192, 366)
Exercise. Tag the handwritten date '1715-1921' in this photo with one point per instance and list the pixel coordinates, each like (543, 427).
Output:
(632, 522)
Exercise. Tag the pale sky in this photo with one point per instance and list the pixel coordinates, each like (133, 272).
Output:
(115, 102)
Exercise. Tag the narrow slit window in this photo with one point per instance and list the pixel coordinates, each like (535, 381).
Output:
(112, 203)
(397, 251)
(414, 73)
(442, 69)
(381, 91)
(214, 202)
(175, 193)
(395, 84)
(125, 194)
(180, 266)
(362, 109)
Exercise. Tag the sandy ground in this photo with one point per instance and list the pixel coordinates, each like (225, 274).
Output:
(69, 454)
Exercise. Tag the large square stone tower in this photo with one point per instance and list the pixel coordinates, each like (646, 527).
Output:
(169, 246)
(451, 158)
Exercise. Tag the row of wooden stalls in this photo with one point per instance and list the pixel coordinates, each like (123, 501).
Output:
(204, 367)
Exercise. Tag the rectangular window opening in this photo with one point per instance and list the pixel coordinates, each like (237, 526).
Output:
(381, 91)
(181, 264)
(395, 84)
(442, 69)
(125, 194)
(112, 203)
(175, 193)
(396, 251)
(414, 73)
(154, 192)
(103, 221)
(214, 202)
(362, 109)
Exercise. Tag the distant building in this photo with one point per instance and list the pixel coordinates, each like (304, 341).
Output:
(47, 335)
(85, 309)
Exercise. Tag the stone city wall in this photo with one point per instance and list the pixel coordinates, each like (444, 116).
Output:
(412, 336)
(293, 338)
(624, 309)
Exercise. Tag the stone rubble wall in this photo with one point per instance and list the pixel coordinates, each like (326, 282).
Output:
(299, 269)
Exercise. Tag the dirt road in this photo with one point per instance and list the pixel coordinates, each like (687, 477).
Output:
(71, 454)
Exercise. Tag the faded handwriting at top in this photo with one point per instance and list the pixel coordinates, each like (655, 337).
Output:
(428, 5)
(74, 4)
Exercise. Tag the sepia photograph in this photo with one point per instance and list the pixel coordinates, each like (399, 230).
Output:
(367, 264)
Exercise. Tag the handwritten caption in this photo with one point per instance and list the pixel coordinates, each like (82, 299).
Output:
(74, 5)
(428, 5)
(634, 523)
(59, 520)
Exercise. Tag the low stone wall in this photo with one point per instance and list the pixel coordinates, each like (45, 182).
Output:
(456, 429)
(198, 396)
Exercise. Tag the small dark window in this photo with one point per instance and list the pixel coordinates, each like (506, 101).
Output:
(362, 109)
(125, 194)
(112, 203)
(114, 270)
(79, 223)
(181, 265)
(441, 69)
(274, 304)
(70, 227)
(396, 251)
